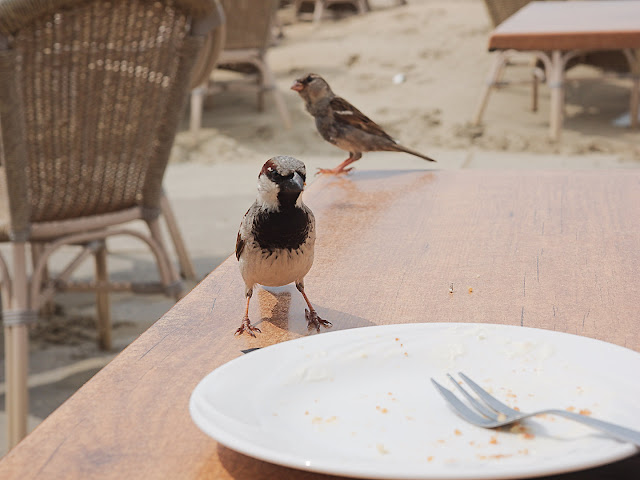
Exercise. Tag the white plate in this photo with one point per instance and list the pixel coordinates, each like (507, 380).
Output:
(359, 402)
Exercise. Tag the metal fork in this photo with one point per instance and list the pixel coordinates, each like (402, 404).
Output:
(493, 413)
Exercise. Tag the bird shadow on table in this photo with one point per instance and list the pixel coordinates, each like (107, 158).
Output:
(365, 175)
(282, 310)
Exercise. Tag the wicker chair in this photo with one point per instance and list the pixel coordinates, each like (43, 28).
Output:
(205, 64)
(91, 94)
(248, 36)
(499, 11)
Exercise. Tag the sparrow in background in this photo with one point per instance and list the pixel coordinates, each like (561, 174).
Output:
(277, 236)
(343, 125)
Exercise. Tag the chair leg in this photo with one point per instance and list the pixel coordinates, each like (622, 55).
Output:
(197, 102)
(186, 266)
(261, 88)
(171, 280)
(556, 84)
(492, 80)
(635, 98)
(363, 6)
(633, 58)
(269, 81)
(296, 8)
(6, 297)
(103, 306)
(16, 337)
(318, 11)
(534, 93)
(48, 307)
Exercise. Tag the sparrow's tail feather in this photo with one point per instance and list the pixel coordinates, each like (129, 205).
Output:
(400, 148)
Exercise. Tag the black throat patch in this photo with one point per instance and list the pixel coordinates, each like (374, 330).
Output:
(286, 229)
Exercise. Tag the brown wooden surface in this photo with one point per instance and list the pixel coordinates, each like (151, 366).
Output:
(575, 25)
(555, 250)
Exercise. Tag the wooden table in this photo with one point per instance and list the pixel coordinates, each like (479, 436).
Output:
(556, 32)
(554, 250)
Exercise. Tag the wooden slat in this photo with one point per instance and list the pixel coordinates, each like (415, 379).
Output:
(574, 25)
(555, 250)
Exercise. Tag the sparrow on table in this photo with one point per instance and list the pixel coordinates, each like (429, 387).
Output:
(277, 235)
(343, 125)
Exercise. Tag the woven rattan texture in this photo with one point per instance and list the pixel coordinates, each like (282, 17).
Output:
(93, 93)
(248, 23)
(15, 14)
(500, 10)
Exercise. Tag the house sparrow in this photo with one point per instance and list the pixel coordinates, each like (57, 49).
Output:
(343, 125)
(277, 236)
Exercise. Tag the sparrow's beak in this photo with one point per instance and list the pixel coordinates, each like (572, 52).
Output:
(297, 86)
(293, 185)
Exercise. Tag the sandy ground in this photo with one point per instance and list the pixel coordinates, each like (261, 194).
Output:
(439, 46)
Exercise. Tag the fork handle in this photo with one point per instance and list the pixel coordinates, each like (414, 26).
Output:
(616, 431)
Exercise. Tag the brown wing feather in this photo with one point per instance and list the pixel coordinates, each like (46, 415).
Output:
(355, 118)
(239, 239)
(239, 246)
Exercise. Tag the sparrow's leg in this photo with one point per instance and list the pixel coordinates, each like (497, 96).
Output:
(353, 156)
(313, 320)
(246, 323)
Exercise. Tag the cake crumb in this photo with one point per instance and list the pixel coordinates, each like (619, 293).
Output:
(381, 449)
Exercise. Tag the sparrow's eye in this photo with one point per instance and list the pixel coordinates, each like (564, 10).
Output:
(271, 172)
(277, 177)
(309, 79)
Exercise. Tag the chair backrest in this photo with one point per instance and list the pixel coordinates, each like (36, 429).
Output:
(500, 10)
(249, 23)
(213, 45)
(91, 93)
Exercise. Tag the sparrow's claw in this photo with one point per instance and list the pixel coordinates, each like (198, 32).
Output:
(247, 327)
(314, 321)
(333, 171)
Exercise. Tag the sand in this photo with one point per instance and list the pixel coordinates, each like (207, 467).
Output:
(439, 48)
